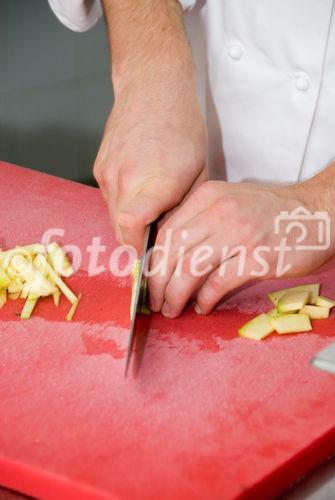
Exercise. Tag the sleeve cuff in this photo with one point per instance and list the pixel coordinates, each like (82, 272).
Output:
(187, 4)
(77, 15)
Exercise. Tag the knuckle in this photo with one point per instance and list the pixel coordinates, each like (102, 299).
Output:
(186, 263)
(125, 178)
(107, 176)
(214, 283)
(175, 239)
(163, 233)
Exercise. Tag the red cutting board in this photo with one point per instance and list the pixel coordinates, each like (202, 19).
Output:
(209, 415)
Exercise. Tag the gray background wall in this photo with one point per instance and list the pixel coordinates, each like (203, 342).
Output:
(55, 90)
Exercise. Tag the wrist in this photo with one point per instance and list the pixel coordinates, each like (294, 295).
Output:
(318, 192)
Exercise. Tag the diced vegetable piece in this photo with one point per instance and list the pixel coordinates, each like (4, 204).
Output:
(313, 289)
(74, 306)
(291, 323)
(59, 282)
(325, 302)
(291, 301)
(3, 297)
(257, 328)
(29, 306)
(315, 312)
(274, 312)
(59, 260)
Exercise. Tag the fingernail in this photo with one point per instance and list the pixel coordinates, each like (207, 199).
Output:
(197, 309)
(166, 310)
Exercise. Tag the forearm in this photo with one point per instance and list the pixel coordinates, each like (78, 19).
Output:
(318, 193)
(148, 44)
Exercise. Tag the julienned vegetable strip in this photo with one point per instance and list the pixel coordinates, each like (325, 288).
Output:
(31, 272)
(74, 306)
(59, 282)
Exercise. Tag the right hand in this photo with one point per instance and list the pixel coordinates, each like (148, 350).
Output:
(153, 154)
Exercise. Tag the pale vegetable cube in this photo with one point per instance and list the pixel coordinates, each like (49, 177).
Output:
(292, 301)
(315, 312)
(291, 323)
(313, 290)
(325, 302)
(258, 328)
(274, 312)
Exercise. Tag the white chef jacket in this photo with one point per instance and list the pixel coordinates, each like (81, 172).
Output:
(266, 81)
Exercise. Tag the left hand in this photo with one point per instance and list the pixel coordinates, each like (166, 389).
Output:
(217, 218)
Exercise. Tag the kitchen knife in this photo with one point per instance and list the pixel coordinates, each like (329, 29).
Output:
(137, 300)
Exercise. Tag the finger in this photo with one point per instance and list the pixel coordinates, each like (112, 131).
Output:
(218, 284)
(171, 251)
(203, 177)
(197, 264)
(203, 198)
(154, 197)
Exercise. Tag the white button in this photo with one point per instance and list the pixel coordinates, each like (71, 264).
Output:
(302, 81)
(235, 51)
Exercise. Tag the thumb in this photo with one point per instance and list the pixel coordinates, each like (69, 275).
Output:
(143, 209)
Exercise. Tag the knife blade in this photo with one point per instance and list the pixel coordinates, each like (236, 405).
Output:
(137, 299)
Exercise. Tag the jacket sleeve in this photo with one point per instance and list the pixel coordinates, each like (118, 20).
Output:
(77, 15)
(188, 4)
(81, 15)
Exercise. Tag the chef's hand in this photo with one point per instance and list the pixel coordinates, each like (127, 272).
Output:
(153, 151)
(219, 220)
(151, 155)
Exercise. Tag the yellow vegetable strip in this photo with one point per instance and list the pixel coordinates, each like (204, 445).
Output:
(56, 296)
(60, 283)
(3, 297)
(38, 284)
(29, 306)
(74, 306)
(59, 260)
